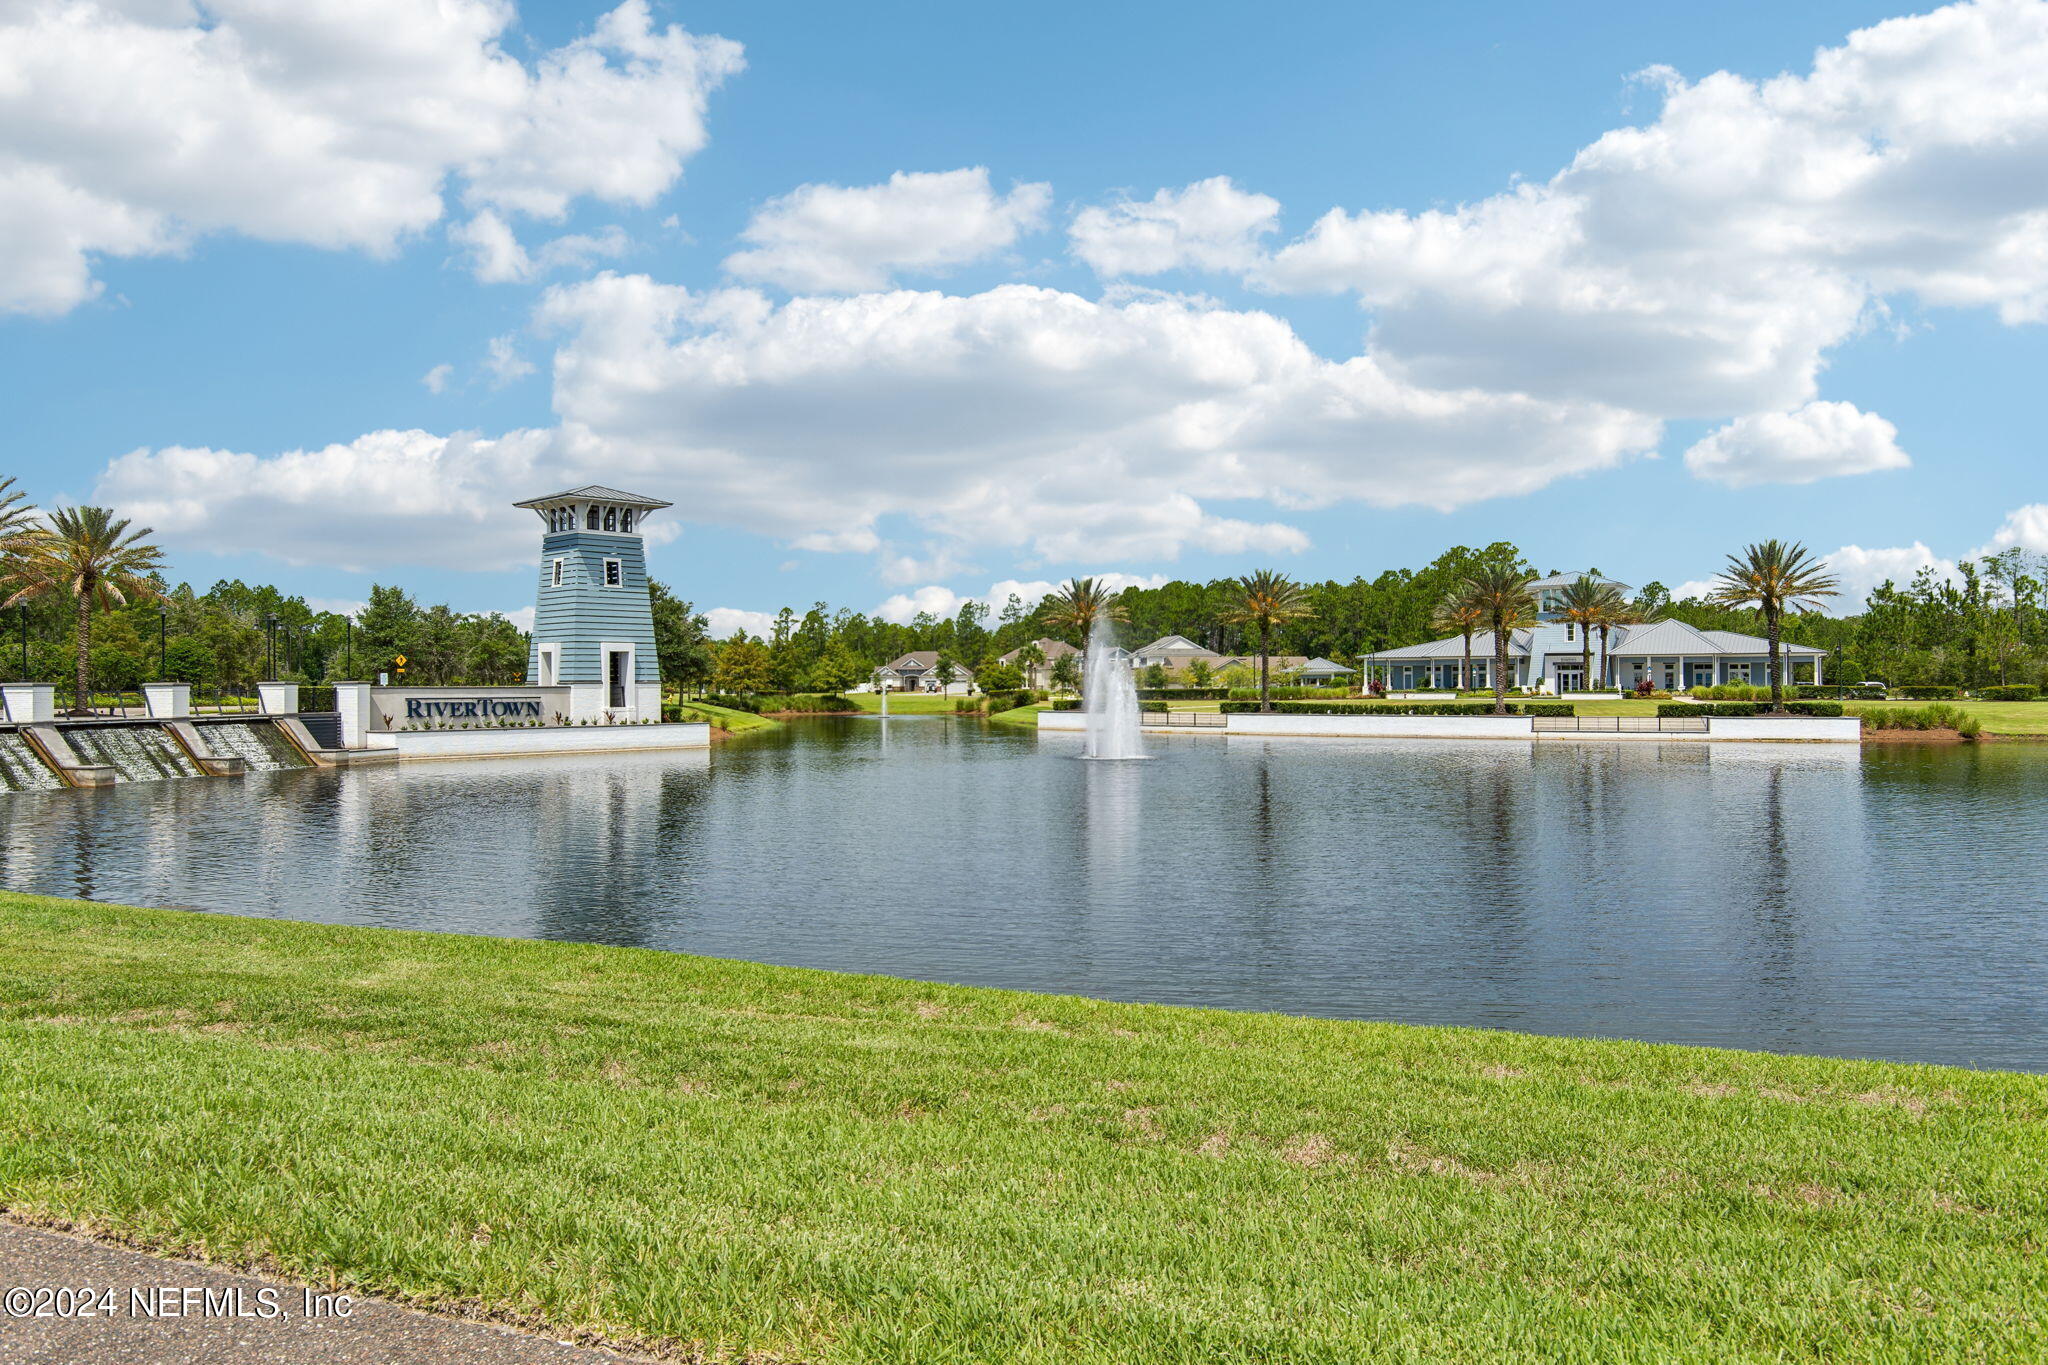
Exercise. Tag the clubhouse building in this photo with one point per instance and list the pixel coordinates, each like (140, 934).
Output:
(1550, 655)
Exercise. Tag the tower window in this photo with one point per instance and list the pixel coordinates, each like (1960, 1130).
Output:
(614, 573)
(611, 518)
(626, 521)
(590, 521)
(556, 579)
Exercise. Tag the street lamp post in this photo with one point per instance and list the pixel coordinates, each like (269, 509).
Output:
(163, 640)
(270, 645)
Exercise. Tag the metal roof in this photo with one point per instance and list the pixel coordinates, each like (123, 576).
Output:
(1565, 580)
(1663, 639)
(595, 492)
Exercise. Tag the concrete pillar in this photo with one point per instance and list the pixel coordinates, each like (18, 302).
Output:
(277, 698)
(166, 700)
(28, 703)
(352, 699)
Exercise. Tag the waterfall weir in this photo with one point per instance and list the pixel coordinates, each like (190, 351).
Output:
(22, 769)
(257, 743)
(138, 753)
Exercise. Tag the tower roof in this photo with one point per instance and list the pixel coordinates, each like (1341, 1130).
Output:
(595, 492)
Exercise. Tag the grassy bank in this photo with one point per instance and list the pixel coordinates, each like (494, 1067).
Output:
(907, 703)
(726, 718)
(837, 1168)
(1023, 715)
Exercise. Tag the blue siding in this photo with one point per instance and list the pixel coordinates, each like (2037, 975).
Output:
(583, 613)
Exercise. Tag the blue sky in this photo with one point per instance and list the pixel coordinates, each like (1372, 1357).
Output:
(1331, 399)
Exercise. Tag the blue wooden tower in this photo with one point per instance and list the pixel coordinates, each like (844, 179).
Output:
(593, 621)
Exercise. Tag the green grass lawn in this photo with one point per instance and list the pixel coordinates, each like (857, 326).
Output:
(906, 703)
(828, 1168)
(1023, 715)
(727, 719)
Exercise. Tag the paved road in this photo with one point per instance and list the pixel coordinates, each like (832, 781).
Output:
(374, 1333)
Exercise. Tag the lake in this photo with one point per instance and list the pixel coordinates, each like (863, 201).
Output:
(1798, 898)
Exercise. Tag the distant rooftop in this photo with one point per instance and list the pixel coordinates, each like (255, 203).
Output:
(1565, 580)
(595, 492)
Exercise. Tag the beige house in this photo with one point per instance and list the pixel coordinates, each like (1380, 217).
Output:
(1039, 674)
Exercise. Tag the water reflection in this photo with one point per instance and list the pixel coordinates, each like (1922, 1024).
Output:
(1803, 898)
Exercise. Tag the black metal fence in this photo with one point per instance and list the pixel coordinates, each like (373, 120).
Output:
(1620, 725)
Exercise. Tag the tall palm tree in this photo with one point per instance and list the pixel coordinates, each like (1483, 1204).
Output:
(1262, 601)
(1455, 616)
(1033, 660)
(1613, 610)
(1774, 577)
(1502, 596)
(86, 552)
(1072, 609)
(1580, 604)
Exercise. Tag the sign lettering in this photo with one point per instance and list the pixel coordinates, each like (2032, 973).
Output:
(477, 708)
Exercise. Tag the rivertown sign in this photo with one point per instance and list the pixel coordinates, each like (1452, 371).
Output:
(473, 708)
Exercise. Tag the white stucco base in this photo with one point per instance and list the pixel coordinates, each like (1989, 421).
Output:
(572, 739)
(1802, 729)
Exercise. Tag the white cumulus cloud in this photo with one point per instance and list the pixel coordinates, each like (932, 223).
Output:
(943, 601)
(845, 239)
(134, 128)
(1030, 419)
(726, 621)
(1818, 441)
(1703, 264)
(1209, 225)
(2025, 528)
(1861, 570)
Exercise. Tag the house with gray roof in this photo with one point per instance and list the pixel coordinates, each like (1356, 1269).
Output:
(1039, 674)
(1549, 655)
(918, 671)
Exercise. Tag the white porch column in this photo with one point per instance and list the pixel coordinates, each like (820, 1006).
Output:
(166, 700)
(277, 698)
(1816, 668)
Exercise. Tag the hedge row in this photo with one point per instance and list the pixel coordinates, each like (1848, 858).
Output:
(1292, 692)
(2015, 692)
(1928, 693)
(1733, 709)
(1074, 704)
(755, 705)
(1183, 693)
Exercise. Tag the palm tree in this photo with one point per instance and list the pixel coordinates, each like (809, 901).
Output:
(1072, 609)
(1033, 659)
(85, 552)
(1611, 611)
(1262, 601)
(17, 517)
(1455, 616)
(1774, 577)
(1580, 605)
(1501, 595)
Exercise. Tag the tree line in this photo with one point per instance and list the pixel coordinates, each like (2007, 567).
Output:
(89, 596)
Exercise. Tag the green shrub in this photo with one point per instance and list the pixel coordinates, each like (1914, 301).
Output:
(2015, 692)
(1936, 717)
(1929, 693)
(1066, 704)
(1292, 692)
(1189, 693)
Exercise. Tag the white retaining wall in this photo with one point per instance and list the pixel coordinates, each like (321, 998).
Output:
(572, 739)
(1805, 729)
(1811, 729)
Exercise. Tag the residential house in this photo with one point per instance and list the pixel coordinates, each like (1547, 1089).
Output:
(1038, 675)
(917, 671)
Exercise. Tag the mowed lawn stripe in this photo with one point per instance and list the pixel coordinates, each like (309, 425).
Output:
(813, 1166)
